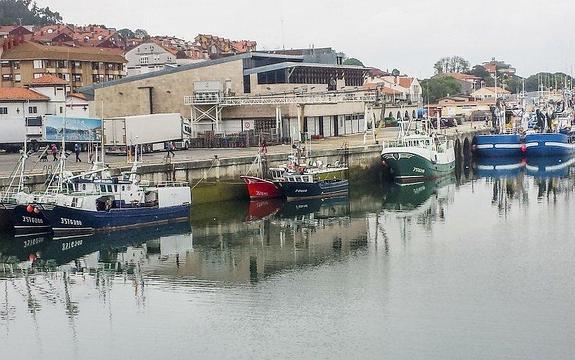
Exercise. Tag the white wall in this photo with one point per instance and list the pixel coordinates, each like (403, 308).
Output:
(12, 125)
(77, 108)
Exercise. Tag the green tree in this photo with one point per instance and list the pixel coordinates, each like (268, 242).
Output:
(141, 34)
(480, 71)
(27, 13)
(439, 87)
(127, 33)
(353, 61)
(395, 72)
(548, 81)
(514, 84)
(453, 64)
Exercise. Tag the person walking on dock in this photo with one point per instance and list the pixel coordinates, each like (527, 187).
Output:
(171, 147)
(54, 150)
(77, 150)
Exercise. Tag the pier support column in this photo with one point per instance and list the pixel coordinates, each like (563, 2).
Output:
(279, 129)
(300, 119)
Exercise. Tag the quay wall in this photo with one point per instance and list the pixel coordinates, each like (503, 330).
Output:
(218, 179)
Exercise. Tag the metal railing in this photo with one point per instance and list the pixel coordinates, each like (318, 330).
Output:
(287, 99)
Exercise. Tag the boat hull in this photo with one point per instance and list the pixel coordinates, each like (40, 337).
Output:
(550, 144)
(499, 145)
(23, 219)
(71, 221)
(407, 166)
(313, 190)
(259, 188)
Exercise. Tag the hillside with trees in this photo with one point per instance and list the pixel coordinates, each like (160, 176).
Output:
(26, 12)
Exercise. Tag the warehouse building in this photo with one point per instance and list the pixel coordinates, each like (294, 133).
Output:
(274, 93)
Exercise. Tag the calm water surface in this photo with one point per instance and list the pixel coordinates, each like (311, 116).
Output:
(478, 267)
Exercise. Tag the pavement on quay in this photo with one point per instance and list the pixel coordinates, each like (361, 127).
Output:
(34, 166)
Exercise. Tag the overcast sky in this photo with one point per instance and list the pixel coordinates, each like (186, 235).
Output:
(532, 35)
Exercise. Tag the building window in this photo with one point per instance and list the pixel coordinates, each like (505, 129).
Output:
(32, 109)
(144, 60)
(62, 64)
(17, 77)
(16, 65)
(110, 66)
(61, 109)
(95, 66)
(38, 64)
(37, 76)
(6, 77)
(3, 110)
(77, 64)
(5, 63)
(97, 78)
(77, 78)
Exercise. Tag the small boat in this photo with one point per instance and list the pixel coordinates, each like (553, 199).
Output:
(267, 188)
(309, 186)
(418, 156)
(259, 188)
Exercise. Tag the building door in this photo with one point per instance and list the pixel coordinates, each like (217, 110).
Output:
(335, 126)
(321, 126)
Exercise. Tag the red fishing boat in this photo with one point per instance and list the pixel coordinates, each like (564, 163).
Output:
(259, 188)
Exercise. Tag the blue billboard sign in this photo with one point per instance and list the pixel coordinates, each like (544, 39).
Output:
(73, 129)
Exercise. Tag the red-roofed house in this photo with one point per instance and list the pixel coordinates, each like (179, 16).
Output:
(15, 31)
(217, 47)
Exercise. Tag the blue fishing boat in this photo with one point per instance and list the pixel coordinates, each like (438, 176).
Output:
(140, 206)
(504, 141)
(308, 186)
(549, 144)
(22, 219)
(499, 145)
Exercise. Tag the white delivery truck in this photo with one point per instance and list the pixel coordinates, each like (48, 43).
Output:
(152, 132)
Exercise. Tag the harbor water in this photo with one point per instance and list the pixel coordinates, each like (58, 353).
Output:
(475, 266)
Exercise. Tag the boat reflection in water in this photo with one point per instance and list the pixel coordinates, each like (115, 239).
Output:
(421, 204)
(512, 179)
(498, 167)
(276, 237)
(84, 252)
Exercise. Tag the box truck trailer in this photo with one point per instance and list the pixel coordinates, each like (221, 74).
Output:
(152, 132)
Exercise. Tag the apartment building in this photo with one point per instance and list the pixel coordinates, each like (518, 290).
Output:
(23, 61)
